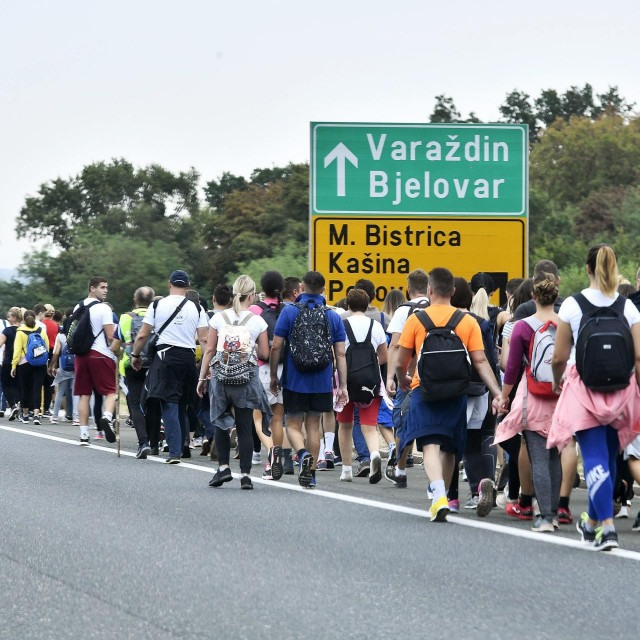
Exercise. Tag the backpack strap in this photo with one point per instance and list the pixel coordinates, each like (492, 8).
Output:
(225, 317)
(176, 311)
(534, 323)
(583, 303)
(245, 320)
(454, 320)
(619, 304)
(426, 320)
(349, 330)
(368, 338)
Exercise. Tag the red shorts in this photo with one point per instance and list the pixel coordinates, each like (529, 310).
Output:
(94, 372)
(368, 415)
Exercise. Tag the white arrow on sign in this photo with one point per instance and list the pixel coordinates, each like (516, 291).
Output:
(340, 153)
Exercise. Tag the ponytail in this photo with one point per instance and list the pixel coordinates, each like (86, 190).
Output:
(243, 287)
(480, 303)
(603, 266)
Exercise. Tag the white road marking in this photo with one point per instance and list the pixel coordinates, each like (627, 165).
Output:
(366, 502)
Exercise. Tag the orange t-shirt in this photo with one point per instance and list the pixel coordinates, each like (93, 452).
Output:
(414, 333)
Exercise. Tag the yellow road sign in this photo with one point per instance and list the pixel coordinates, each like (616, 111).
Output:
(386, 249)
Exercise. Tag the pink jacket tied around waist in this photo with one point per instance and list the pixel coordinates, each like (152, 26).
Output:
(579, 408)
(538, 416)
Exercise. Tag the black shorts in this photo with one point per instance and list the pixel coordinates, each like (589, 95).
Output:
(297, 404)
(447, 445)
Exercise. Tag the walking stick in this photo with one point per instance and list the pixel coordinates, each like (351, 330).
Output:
(117, 414)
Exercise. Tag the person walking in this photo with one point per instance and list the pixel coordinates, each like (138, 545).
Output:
(315, 337)
(10, 385)
(29, 363)
(599, 398)
(129, 326)
(172, 373)
(237, 339)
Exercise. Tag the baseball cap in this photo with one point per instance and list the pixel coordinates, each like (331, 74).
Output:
(50, 309)
(179, 278)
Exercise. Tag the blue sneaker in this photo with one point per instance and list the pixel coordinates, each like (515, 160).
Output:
(312, 483)
(304, 476)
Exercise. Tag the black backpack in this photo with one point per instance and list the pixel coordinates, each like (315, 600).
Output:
(80, 336)
(605, 355)
(443, 367)
(310, 338)
(476, 386)
(270, 314)
(363, 369)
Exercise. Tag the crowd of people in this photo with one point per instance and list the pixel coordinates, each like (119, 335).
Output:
(509, 398)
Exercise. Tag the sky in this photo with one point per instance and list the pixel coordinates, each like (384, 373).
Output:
(231, 86)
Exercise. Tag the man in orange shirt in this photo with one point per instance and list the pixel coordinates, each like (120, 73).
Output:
(439, 427)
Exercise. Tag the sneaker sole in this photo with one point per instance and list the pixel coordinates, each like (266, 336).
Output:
(346, 479)
(487, 497)
(108, 431)
(606, 547)
(304, 477)
(441, 514)
(375, 475)
(391, 480)
(544, 529)
(85, 444)
(636, 529)
(276, 463)
(220, 482)
(144, 453)
(246, 487)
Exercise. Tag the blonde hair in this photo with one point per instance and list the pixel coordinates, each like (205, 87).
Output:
(480, 303)
(243, 287)
(15, 313)
(603, 266)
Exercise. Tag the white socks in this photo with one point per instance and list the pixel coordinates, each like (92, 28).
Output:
(438, 490)
(84, 432)
(328, 441)
(108, 415)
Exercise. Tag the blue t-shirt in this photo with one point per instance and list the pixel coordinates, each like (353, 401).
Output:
(312, 381)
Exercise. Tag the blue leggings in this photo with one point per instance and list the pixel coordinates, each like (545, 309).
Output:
(599, 447)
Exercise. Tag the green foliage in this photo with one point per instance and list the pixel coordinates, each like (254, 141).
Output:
(291, 260)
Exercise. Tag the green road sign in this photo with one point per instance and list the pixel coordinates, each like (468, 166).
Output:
(456, 169)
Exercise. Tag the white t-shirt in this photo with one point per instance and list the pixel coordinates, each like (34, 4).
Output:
(360, 327)
(100, 315)
(182, 329)
(256, 324)
(3, 325)
(401, 314)
(571, 313)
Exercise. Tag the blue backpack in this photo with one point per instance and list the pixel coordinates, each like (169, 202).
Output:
(36, 352)
(67, 359)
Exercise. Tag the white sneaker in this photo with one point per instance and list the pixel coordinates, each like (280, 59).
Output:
(623, 513)
(346, 476)
(197, 442)
(502, 498)
(257, 458)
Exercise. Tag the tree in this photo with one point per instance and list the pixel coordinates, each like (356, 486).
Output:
(549, 107)
(108, 197)
(573, 159)
(444, 110)
(215, 191)
(517, 109)
(612, 103)
(578, 102)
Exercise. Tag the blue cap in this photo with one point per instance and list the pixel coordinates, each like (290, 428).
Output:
(179, 279)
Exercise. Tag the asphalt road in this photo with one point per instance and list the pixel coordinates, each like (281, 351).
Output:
(93, 546)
